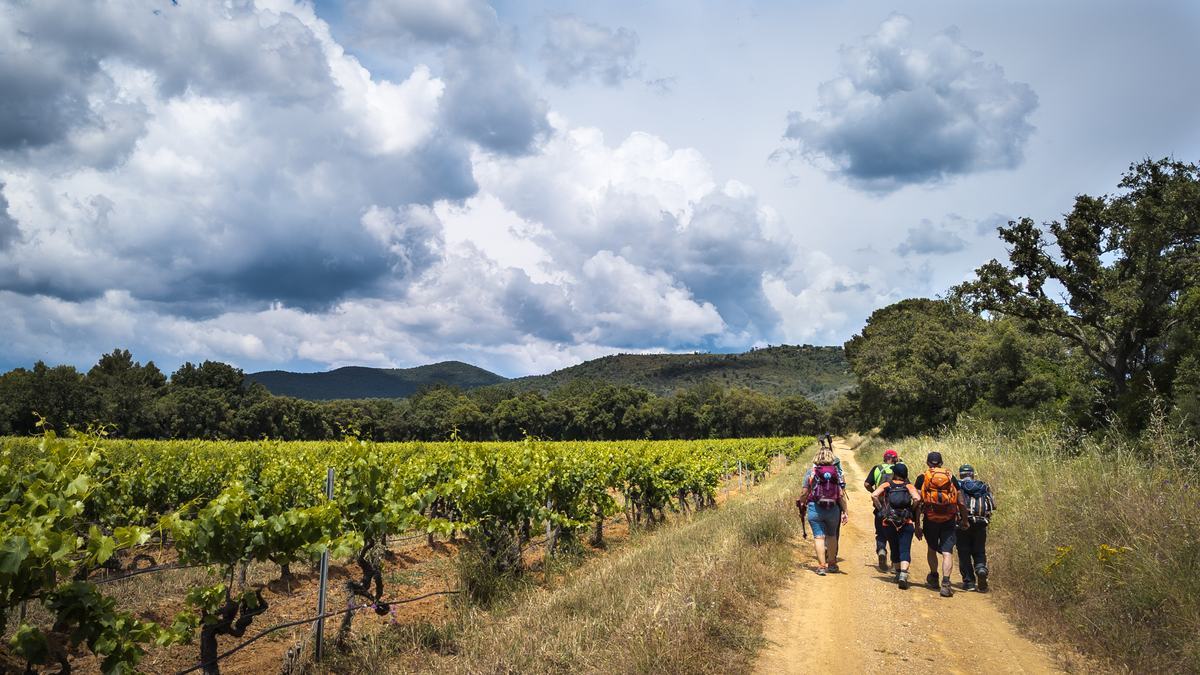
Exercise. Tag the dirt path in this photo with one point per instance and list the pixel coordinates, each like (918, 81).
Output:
(851, 622)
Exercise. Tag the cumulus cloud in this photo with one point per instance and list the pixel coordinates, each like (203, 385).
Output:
(9, 230)
(198, 171)
(656, 207)
(576, 50)
(230, 182)
(489, 99)
(905, 111)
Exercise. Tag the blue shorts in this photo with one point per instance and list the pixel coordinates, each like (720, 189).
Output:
(824, 521)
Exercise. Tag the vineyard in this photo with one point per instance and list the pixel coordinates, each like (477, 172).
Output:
(81, 511)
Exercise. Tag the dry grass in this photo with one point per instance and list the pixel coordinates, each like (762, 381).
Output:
(1097, 540)
(686, 598)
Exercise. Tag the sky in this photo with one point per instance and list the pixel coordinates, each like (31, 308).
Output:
(527, 185)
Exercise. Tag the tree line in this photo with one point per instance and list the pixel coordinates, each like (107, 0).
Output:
(213, 400)
(1092, 321)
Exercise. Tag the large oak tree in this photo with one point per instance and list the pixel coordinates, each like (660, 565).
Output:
(1117, 278)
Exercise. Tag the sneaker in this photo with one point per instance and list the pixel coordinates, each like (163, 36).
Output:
(821, 571)
(883, 561)
(981, 573)
(833, 568)
(968, 585)
(902, 580)
(931, 580)
(947, 591)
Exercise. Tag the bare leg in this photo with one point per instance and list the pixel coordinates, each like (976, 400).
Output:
(819, 543)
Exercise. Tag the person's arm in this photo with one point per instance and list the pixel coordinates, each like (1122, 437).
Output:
(963, 522)
(844, 503)
(876, 496)
(870, 474)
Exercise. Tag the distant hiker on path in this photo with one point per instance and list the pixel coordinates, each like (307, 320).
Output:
(878, 475)
(825, 501)
(978, 502)
(942, 515)
(896, 503)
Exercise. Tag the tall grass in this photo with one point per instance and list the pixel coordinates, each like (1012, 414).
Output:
(1095, 536)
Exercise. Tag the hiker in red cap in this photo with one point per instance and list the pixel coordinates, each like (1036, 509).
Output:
(877, 476)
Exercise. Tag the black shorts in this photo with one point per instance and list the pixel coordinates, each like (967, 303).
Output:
(941, 537)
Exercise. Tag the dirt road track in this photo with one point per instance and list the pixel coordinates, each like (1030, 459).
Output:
(858, 621)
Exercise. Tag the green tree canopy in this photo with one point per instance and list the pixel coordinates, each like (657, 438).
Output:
(1116, 279)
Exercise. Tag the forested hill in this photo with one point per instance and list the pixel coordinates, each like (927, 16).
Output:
(359, 382)
(819, 373)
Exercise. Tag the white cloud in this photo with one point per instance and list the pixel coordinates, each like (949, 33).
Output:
(904, 112)
(576, 50)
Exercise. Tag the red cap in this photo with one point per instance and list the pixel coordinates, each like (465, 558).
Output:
(890, 454)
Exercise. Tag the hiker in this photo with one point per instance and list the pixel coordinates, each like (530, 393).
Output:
(826, 508)
(978, 502)
(941, 516)
(878, 475)
(896, 502)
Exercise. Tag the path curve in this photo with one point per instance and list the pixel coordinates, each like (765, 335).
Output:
(858, 621)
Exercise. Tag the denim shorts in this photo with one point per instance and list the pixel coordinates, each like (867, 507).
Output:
(825, 522)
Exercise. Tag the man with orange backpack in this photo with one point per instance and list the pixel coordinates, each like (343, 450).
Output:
(942, 514)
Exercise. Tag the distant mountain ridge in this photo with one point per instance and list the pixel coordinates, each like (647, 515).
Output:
(819, 373)
(361, 382)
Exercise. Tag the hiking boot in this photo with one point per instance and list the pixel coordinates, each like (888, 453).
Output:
(968, 585)
(947, 591)
(931, 580)
(902, 580)
(833, 568)
(883, 561)
(981, 573)
(821, 571)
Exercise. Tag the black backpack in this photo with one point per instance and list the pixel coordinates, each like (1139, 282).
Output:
(897, 503)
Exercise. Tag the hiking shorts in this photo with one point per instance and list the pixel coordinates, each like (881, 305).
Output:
(825, 522)
(941, 537)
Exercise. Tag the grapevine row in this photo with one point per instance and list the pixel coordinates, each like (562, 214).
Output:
(73, 506)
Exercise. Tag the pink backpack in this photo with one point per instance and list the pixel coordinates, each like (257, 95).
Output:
(825, 490)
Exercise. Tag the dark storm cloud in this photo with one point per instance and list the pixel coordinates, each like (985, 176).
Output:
(56, 73)
(576, 50)
(903, 112)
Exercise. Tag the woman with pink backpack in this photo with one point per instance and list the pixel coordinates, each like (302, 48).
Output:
(824, 502)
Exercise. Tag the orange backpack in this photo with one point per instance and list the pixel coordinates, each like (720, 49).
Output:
(939, 495)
